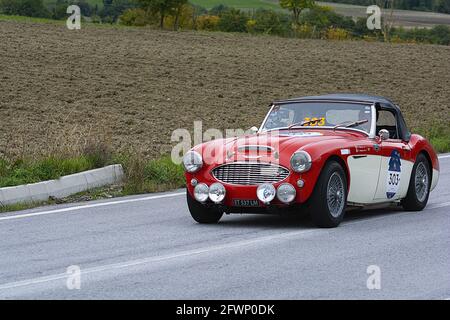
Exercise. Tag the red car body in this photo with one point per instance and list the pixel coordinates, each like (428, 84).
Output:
(364, 158)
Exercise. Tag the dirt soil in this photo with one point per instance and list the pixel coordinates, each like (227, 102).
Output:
(136, 86)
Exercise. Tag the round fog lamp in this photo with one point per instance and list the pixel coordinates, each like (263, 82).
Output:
(201, 191)
(217, 192)
(266, 193)
(286, 193)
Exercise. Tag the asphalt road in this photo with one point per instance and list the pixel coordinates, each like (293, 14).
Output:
(149, 247)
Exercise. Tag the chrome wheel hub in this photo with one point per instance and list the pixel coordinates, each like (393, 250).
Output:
(335, 195)
(421, 182)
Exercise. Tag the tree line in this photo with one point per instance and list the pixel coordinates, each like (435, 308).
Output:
(442, 6)
(56, 9)
(302, 19)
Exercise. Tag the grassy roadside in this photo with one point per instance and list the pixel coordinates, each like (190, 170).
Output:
(141, 176)
(25, 171)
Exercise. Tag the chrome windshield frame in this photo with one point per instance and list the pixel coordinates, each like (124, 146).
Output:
(371, 134)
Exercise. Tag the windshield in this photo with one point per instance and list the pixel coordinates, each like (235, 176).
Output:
(319, 115)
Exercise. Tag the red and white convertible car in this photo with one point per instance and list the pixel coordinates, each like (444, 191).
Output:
(317, 154)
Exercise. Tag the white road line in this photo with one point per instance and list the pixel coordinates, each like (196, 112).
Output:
(187, 253)
(444, 157)
(94, 205)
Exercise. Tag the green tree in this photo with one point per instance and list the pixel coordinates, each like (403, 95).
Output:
(296, 7)
(164, 8)
(177, 8)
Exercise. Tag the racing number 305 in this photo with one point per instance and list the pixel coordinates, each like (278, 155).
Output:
(394, 179)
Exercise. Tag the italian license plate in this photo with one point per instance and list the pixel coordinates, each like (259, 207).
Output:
(245, 203)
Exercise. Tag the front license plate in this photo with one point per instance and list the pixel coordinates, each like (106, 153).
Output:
(245, 203)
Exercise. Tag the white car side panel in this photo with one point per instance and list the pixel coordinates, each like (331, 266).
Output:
(375, 168)
(364, 174)
(405, 175)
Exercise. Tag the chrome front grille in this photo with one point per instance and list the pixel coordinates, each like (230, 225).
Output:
(246, 173)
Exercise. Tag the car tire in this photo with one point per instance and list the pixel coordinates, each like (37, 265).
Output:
(419, 185)
(201, 213)
(328, 201)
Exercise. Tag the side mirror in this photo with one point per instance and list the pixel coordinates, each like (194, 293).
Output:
(384, 134)
(253, 130)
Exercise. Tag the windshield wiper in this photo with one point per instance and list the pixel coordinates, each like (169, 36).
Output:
(292, 125)
(351, 124)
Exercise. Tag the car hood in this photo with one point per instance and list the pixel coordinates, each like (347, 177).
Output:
(268, 147)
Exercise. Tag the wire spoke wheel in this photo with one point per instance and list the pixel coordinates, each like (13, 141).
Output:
(421, 182)
(335, 195)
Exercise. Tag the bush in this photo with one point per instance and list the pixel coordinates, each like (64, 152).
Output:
(96, 19)
(207, 22)
(337, 34)
(269, 22)
(29, 8)
(134, 17)
(97, 152)
(323, 17)
(134, 173)
(164, 171)
(305, 31)
(397, 39)
(233, 20)
(151, 176)
(440, 34)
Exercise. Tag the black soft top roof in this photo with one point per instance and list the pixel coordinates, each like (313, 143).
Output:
(365, 98)
(380, 102)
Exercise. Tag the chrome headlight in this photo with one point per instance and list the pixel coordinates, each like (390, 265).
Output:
(301, 161)
(192, 161)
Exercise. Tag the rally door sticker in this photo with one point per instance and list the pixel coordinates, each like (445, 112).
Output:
(393, 174)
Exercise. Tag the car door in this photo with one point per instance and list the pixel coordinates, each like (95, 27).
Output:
(395, 169)
(364, 167)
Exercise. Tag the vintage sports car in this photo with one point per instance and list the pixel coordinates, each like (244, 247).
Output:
(319, 154)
